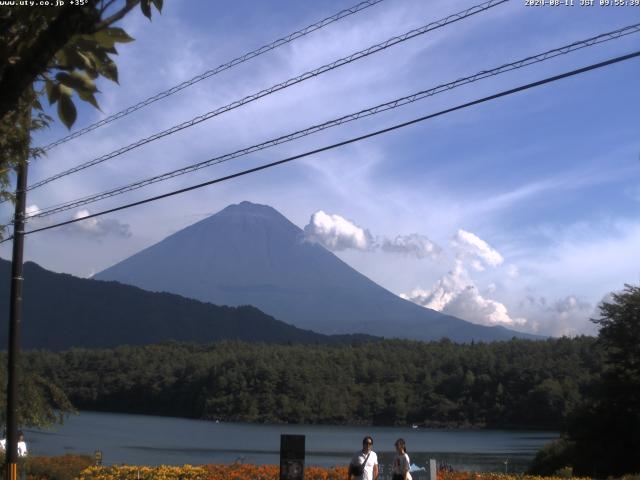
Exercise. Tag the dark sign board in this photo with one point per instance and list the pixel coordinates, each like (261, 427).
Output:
(292, 457)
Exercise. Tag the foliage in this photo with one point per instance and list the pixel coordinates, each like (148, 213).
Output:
(497, 476)
(266, 472)
(603, 434)
(553, 457)
(42, 401)
(163, 472)
(65, 467)
(519, 383)
(620, 335)
(58, 52)
(208, 472)
(271, 472)
(564, 472)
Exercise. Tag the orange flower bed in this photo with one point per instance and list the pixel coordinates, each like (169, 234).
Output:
(496, 476)
(234, 471)
(270, 472)
(239, 471)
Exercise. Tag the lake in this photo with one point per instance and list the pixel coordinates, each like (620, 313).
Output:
(150, 440)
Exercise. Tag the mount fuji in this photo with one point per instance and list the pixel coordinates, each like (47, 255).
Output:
(250, 254)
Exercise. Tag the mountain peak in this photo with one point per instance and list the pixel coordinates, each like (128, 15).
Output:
(245, 207)
(251, 254)
(247, 213)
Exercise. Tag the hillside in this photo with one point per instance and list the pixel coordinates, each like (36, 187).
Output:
(62, 311)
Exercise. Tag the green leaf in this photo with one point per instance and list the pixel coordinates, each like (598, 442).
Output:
(158, 4)
(105, 66)
(145, 6)
(53, 91)
(87, 61)
(103, 39)
(88, 97)
(108, 37)
(62, 57)
(110, 70)
(77, 80)
(66, 109)
(77, 59)
(111, 50)
(119, 35)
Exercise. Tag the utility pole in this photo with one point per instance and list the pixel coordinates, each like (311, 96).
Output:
(15, 319)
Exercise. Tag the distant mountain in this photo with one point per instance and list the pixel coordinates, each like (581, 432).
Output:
(61, 311)
(251, 254)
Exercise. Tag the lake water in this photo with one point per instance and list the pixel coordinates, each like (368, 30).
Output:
(149, 440)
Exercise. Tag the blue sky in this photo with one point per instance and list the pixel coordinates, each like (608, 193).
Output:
(522, 212)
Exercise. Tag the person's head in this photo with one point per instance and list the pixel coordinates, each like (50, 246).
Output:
(367, 443)
(401, 447)
(20, 436)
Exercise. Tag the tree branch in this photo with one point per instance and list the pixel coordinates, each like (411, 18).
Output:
(104, 7)
(131, 4)
(17, 77)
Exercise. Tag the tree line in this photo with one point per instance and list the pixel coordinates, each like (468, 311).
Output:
(519, 383)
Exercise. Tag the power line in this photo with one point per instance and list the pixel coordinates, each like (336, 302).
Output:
(280, 86)
(342, 120)
(347, 142)
(209, 73)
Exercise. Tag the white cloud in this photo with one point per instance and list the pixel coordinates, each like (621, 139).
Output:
(470, 305)
(456, 294)
(35, 222)
(444, 291)
(413, 244)
(477, 265)
(31, 210)
(565, 316)
(97, 227)
(337, 233)
(469, 244)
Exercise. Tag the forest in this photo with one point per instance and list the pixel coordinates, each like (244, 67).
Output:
(514, 384)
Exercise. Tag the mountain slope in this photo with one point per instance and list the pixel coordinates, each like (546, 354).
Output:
(62, 311)
(251, 254)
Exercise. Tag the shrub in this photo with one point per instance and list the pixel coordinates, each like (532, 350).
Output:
(65, 467)
(162, 472)
(564, 472)
(234, 471)
(553, 457)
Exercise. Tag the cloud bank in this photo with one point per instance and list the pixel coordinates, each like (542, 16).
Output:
(336, 233)
(97, 227)
(559, 317)
(415, 245)
(456, 294)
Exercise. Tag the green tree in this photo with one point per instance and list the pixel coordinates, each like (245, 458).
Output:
(42, 403)
(603, 436)
(54, 52)
(57, 52)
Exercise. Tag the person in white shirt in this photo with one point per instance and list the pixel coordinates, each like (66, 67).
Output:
(401, 463)
(365, 460)
(22, 445)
